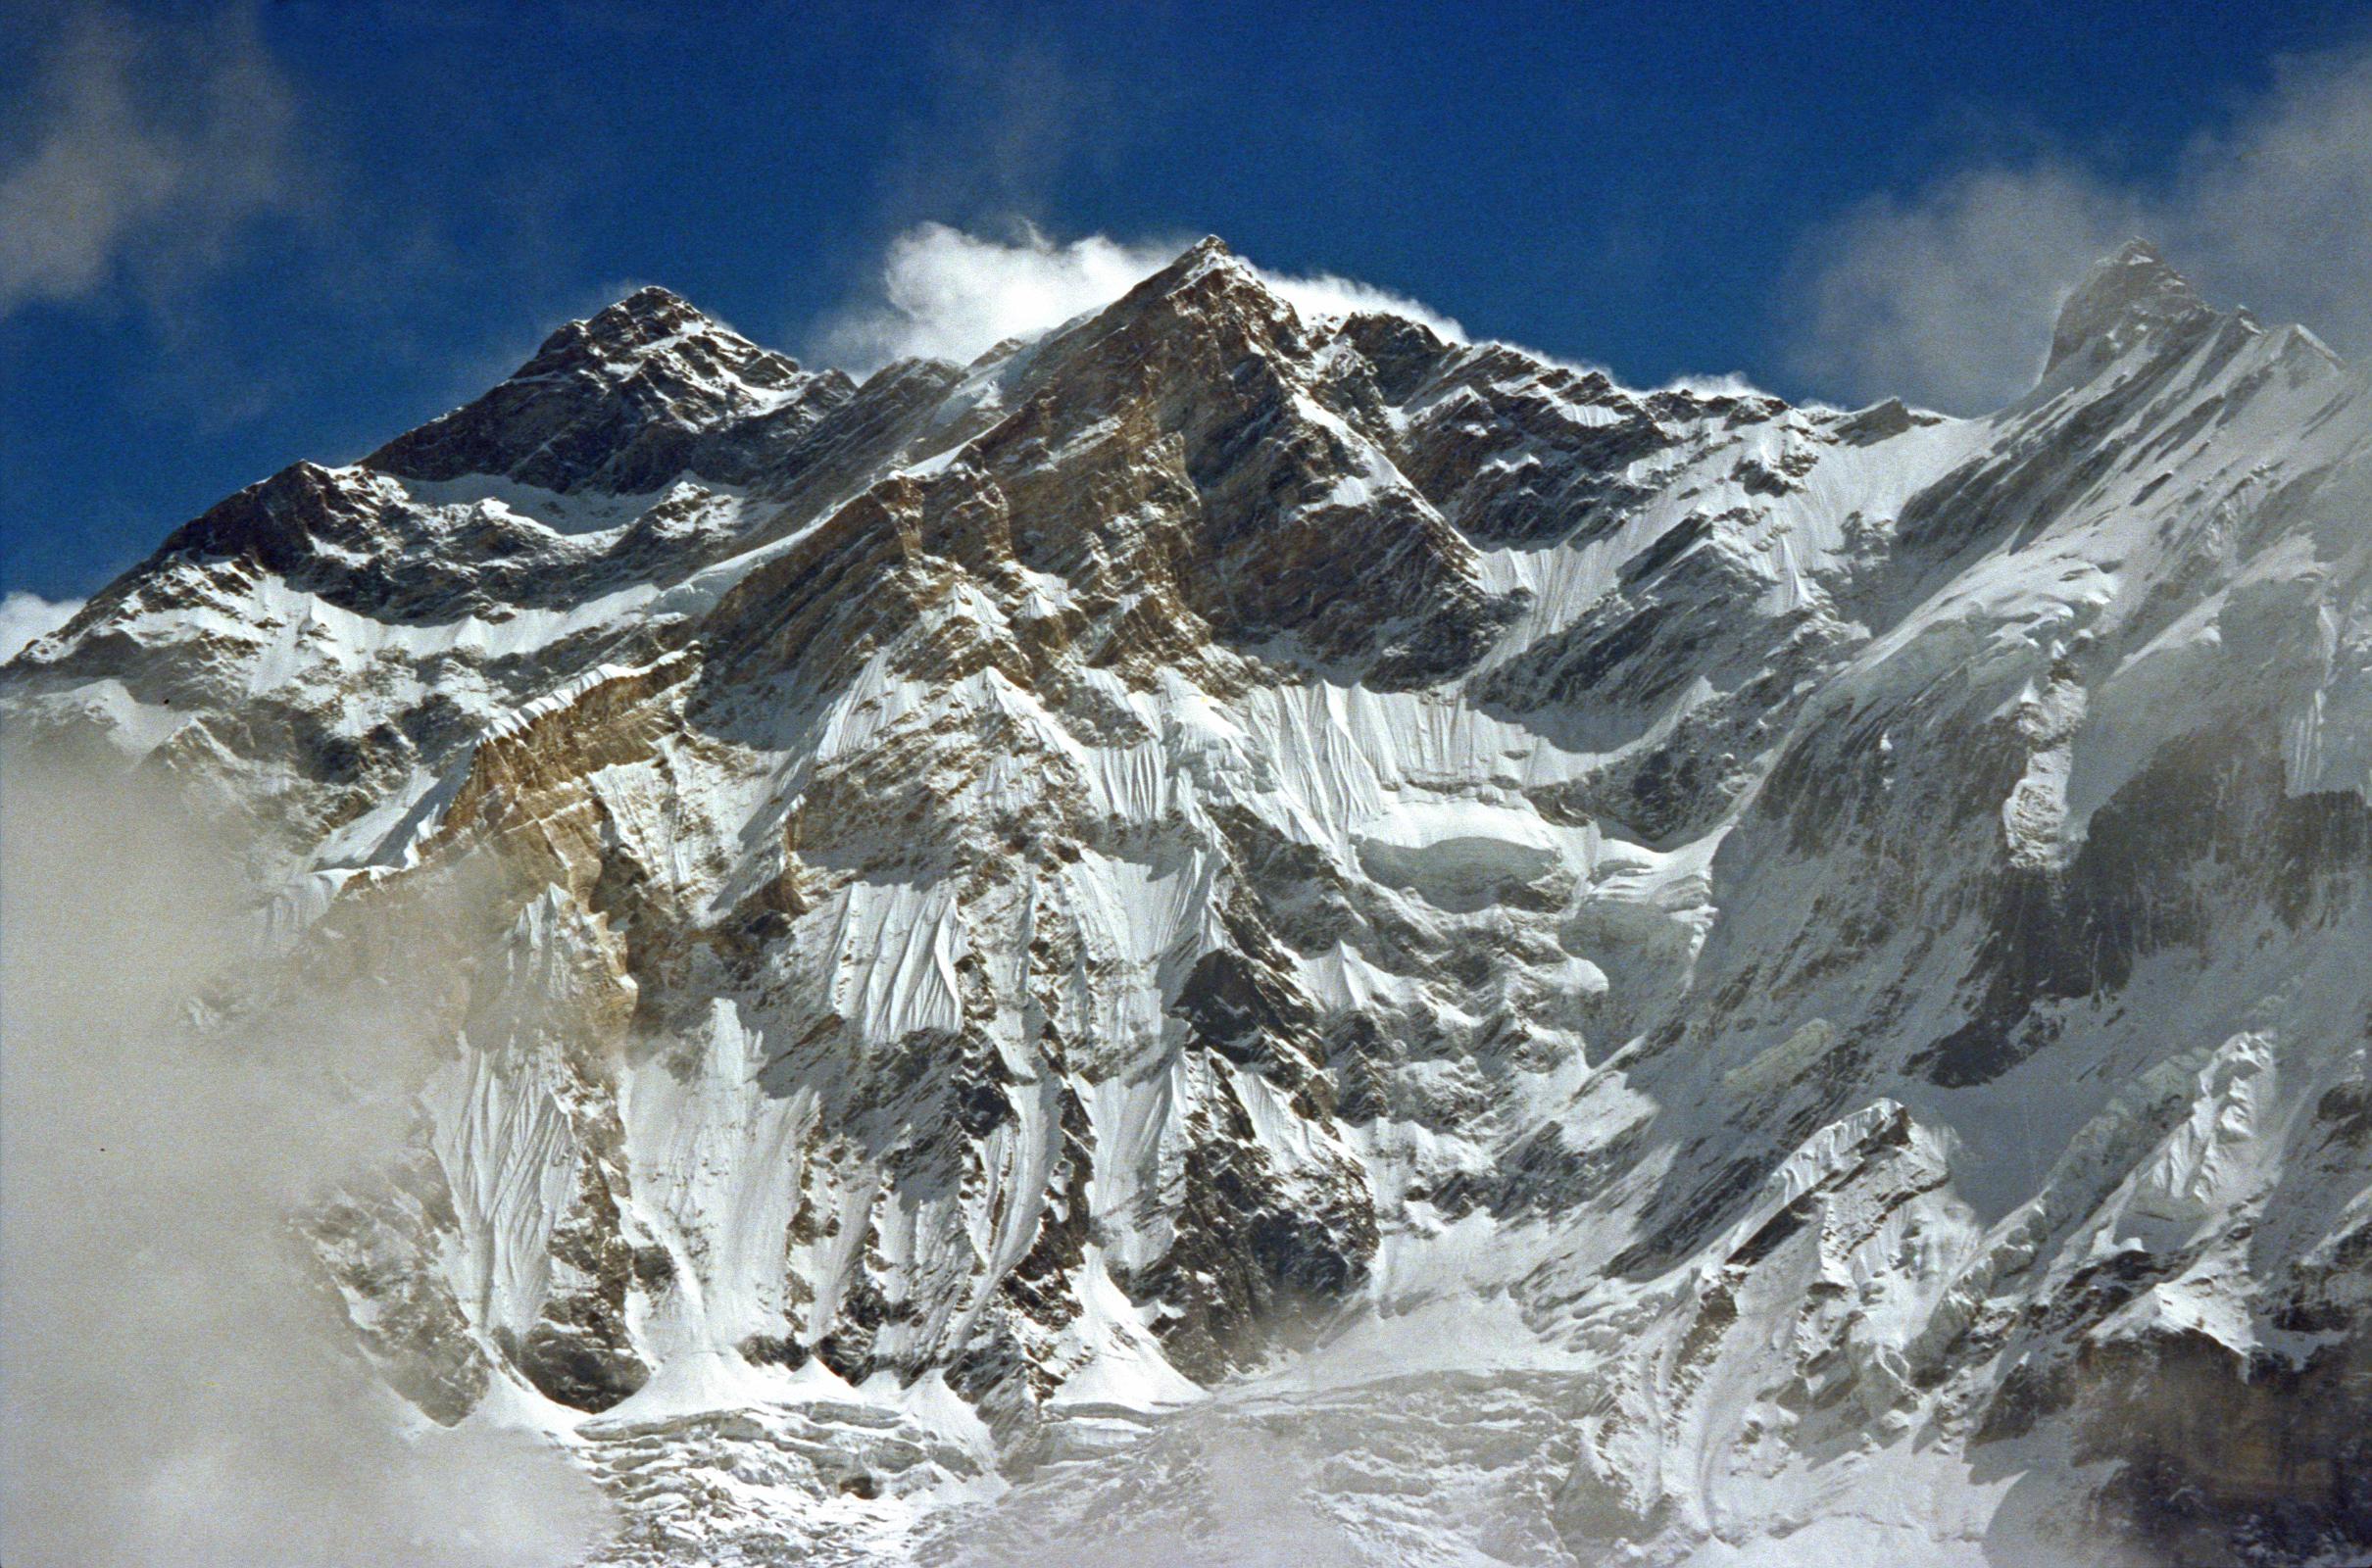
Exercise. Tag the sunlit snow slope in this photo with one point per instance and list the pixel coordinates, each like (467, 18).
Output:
(1225, 936)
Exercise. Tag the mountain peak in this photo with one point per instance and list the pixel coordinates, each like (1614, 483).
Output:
(652, 297)
(1204, 256)
(1013, 895)
(648, 307)
(649, 316)
(2121, 298)
(1207, 267)
(615, 399)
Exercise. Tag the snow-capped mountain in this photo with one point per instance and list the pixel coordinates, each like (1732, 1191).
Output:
(1229, 937)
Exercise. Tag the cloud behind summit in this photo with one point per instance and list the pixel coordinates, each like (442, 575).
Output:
(1946, 296)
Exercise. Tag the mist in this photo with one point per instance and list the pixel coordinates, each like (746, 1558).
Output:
(26, 618)
(177, 1385)
(1946, 296)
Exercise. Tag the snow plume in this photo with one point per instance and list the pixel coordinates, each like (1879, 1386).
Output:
(1325, 295)
(26, 618)
(149, 144)
(1947, 297)
(174, 1389)
(950, 295)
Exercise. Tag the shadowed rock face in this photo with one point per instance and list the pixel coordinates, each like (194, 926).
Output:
(627, 401)
(2225, 1454)
(1758, 949)
(2124, 299)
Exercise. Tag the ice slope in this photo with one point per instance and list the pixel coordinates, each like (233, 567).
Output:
(1335, 945)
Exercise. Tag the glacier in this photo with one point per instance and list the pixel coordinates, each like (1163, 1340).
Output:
(1230, 936)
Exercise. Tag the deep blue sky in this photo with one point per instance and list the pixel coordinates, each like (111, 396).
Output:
(436, 186)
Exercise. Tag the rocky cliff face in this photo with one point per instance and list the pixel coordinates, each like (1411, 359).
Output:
(1378, 944)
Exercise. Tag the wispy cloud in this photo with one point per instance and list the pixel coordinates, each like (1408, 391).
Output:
(25, 617)
(1947, 297)
(942, 293)
(151, 146)
(999, 118)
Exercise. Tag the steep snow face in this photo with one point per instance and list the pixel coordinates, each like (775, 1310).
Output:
(1305, 934)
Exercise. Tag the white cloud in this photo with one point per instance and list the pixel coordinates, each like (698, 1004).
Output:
(1946, 297)
(1323, 294)
(152, 145)
(181, 1385)
(25, 617)
(1947, 300)
(951, 295)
